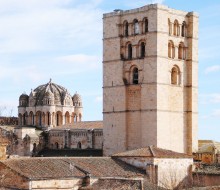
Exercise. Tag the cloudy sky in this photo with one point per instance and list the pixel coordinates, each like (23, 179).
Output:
(62, 40)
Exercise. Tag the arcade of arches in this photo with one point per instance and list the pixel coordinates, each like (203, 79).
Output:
(48, 119)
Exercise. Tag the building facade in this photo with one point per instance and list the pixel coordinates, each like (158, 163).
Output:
(80, 135)
(48, 106)
(150, 79)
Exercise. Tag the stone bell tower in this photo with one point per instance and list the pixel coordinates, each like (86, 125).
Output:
(150, 79)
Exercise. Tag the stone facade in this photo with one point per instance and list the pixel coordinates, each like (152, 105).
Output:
(49, 105)
(29, 141)
(150, 79)
(75, 138)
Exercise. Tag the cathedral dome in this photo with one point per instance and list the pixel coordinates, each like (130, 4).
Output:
(23, 100)
(77, 98)
(51, 91)
(24, 96)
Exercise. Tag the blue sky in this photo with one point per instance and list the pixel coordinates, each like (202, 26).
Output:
(62, 40)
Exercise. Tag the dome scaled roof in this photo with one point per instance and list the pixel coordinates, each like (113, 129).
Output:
(24, 96)
(77, 98)
(51, 90)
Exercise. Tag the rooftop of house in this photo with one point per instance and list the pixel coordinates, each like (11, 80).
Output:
(81, 125)
(208, 169)
(54, 168)
(123, 184)
(209, 146)
(70, 153)
(152, 151)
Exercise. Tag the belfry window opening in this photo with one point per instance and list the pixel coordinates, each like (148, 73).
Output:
(142, 49)
(135, 76)
(129, 51)
(136, 27)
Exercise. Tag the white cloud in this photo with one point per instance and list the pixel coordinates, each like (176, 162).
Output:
(48, 25)
(214, 68)
(36, 70)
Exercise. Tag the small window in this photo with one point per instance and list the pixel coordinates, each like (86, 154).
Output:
(171, 50)
(56, 145)
(142, 55)
(126, 28)
(176, 30)
(145, 25)
(175, 76)
(135, 76)
(181, 51)
(129, 51)
(183, 31)
(136, 27)
(169, 27)
(79, 145)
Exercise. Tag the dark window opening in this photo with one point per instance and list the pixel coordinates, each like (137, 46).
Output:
(136, 27)
(129, 51)
(57, 119)
(126, 29)
(135, 76)
(48, 120)
(142, 50)
(79, 145)
(146, 25)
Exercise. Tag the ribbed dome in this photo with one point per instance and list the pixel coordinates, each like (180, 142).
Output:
(51, 90)
(77, 98)
(23, 97)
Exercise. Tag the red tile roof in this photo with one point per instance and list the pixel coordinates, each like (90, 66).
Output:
(117, 184)
(82, 125)
(43, 168)
(152, 151)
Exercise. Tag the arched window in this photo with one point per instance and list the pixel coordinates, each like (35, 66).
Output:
(176, 30)
(171, 50)
(136, 27)
(145, 25)
(135, 75)
(56, 145)
(125, 28)
(142, 50)
(34, 148)
(169, 27)
(181, 51)
(48, 118)
(129, 51)
(175, 75)
(75, 118)
(24, 119)
(183, 31)
(57, 119)
(33, 119)
(79, 145)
